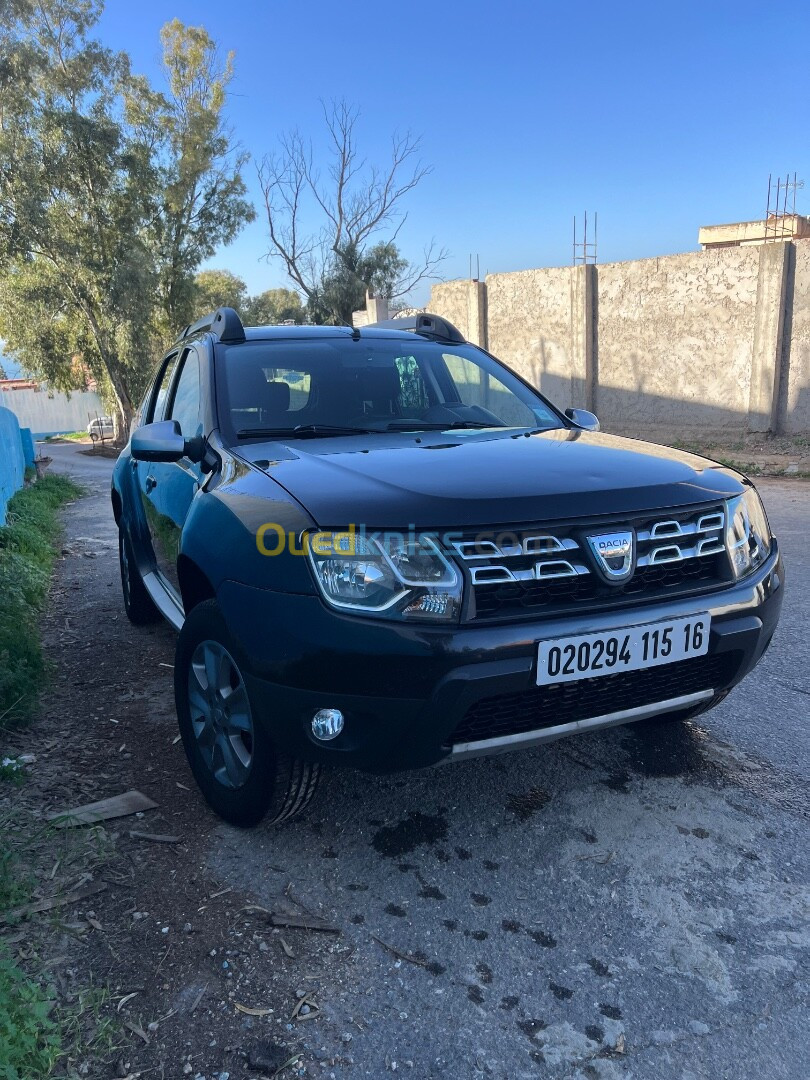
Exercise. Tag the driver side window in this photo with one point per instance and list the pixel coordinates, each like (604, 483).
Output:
(162, 390)
(186, 407)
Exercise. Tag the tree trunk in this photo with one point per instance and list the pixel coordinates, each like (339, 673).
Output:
(122, 417)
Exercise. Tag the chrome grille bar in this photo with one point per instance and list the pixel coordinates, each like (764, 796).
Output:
(542, 544)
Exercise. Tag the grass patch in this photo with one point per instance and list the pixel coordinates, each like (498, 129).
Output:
(29, 1037)
(42, 1025)
(748, 468)
(27, 551)
(74, 436)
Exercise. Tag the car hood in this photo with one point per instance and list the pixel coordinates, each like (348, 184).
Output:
(446, 479)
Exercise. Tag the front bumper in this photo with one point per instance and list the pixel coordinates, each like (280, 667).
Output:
(406, 690)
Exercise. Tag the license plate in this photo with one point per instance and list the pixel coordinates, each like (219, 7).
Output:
(587, 656)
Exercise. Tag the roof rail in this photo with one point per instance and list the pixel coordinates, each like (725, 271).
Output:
(224, 324)
(431, 326)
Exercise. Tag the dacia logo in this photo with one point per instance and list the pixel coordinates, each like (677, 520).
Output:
(613, 553)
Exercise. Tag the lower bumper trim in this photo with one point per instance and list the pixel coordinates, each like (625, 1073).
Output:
(594, 723)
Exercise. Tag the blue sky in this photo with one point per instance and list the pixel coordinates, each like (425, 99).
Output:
(661, 117)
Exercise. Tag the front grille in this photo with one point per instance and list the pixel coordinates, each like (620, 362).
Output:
(536, 572)
(546, 706)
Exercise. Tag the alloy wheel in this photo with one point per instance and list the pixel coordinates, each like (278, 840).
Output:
(220, 714)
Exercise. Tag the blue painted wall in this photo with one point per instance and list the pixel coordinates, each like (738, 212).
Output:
(29, 453)
(12, 459)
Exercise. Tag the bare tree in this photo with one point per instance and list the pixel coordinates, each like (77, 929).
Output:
(356, 202)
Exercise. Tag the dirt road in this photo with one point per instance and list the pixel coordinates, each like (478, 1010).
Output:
(627, 904)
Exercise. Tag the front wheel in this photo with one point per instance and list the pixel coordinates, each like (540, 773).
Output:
(227, 741)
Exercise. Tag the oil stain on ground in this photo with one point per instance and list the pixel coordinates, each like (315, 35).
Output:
(416, 830)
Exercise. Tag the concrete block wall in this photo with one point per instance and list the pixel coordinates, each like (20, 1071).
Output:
(795, 383)
(12, 459)
(714, 342)
(674, 338)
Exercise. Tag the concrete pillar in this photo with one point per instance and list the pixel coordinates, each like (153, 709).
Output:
(477, 313)
(377, 308)
(584, 373)
(769, 323)
(464, 304)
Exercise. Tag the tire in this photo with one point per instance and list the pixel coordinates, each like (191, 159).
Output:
(140, 607)
(228, 743)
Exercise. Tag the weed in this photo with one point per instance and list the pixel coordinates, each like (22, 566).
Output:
(749, 468)
(11, 771)
(27, 551)
(15, 886)
(29, 1036)
(35, 1032)
(86, 1026)
(689, 446)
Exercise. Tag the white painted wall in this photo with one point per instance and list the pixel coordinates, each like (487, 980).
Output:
(52, 413)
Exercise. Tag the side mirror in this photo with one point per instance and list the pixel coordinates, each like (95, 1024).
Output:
(583, 419)
(158, 442)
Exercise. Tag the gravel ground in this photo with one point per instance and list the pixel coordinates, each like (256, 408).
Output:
(630, 904)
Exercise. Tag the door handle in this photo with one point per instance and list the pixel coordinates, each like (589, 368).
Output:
(150, 483)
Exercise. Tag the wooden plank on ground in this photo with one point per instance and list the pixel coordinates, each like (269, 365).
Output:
(157, 838)
(130, 802)
(52, 902)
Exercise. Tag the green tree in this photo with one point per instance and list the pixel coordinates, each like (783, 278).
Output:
(218, 288)
(273, 306)
(348, 277)
(351, 203)
(202, 202)
(111, 194)
(75, 259)
(221, 288)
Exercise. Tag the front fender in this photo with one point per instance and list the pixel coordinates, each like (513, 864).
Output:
(131, 518)
(222, 530)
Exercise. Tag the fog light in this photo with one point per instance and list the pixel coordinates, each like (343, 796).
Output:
(327, 724)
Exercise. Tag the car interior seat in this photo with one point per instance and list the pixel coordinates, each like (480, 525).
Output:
(256, 402)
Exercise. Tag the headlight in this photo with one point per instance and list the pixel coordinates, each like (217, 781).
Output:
(748, 537)
(390, 575)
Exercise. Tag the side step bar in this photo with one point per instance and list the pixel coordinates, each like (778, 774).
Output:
(166, 604)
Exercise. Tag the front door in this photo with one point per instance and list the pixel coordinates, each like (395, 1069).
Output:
(169, 487)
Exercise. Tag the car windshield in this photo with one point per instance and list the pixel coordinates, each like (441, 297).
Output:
(344, 386)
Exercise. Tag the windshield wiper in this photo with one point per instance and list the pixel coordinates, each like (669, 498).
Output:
(301, 431)
(425, 425)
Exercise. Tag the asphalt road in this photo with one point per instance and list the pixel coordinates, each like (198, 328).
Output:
(632, 903)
